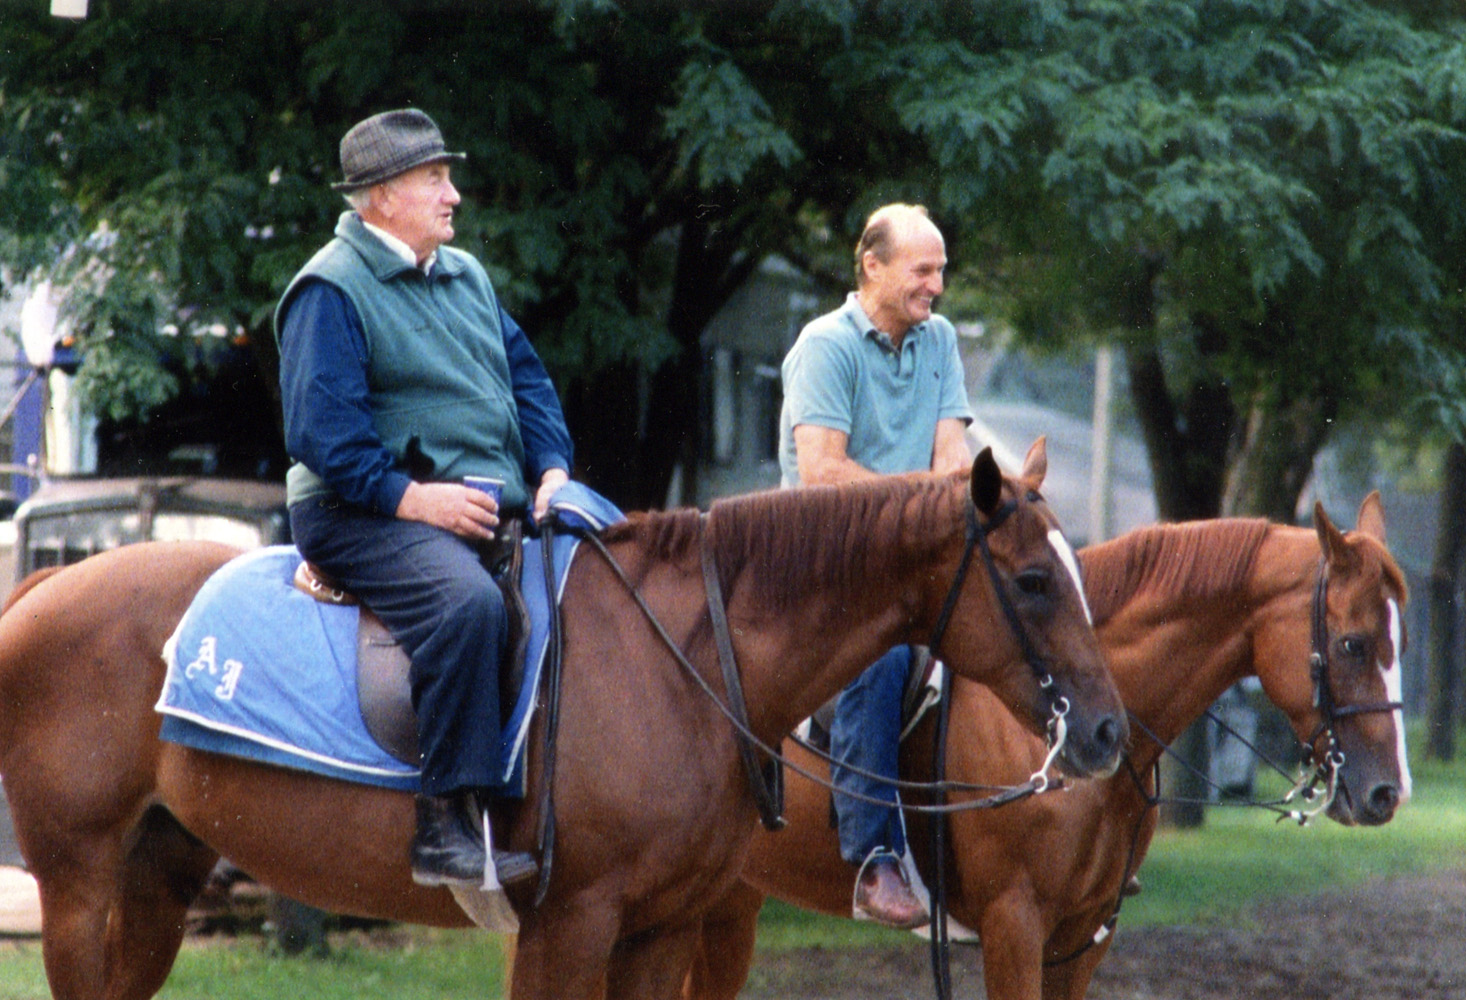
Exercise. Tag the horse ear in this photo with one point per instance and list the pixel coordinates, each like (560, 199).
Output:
(1372, 517)
(1330, 538)
(987, 482)
(1036, 462)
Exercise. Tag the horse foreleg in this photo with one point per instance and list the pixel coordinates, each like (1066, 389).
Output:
(563, 951)
(653, 965)
(1012, 948)
(1070, 980)
(725, 946)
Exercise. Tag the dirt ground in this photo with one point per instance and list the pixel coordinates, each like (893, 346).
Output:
(1395, 939)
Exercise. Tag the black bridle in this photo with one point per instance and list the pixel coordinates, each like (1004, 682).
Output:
(1057, 705)
(1323, 694)
(977, 537)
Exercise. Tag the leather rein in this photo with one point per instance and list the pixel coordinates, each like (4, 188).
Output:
(766, 777)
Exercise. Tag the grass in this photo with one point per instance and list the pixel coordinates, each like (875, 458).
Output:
(429, 965)
(1242, 858)
(1239, 859)
(425, 964)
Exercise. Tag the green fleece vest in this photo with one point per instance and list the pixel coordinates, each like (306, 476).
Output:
(436, 367)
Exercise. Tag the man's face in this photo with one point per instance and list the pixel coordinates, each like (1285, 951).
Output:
(417, 208)
(899, 292)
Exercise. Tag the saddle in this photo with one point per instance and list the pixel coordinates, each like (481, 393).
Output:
(383, 688)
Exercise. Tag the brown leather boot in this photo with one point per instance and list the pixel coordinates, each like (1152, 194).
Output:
(883, 894)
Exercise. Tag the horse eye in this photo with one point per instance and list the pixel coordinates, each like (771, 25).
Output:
(1353, 646)
(1033, 583)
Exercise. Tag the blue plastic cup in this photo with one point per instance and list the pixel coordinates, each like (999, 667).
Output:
(493, 487)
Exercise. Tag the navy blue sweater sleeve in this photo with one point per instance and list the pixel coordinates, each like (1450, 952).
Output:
(547, 443)
(324, 394)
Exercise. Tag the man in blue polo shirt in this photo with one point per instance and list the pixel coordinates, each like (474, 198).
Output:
(400, 374)
(875, 388)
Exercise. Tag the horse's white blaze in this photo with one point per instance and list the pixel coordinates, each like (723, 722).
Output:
(1393, 689)
(1066, 556)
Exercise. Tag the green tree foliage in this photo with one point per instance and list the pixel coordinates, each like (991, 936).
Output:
(1246, 189)
(628, 167)
(1249, 194)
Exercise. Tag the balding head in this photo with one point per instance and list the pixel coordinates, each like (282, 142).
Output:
(889, 228)
(898, 266)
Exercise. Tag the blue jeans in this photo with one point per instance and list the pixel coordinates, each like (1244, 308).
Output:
(866, 733)
(444, 609)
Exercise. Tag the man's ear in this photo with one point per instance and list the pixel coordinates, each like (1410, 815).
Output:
(868, 262)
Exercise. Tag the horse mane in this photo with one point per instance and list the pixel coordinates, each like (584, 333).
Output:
(663, 534)
(789, 541)
(1194, 560)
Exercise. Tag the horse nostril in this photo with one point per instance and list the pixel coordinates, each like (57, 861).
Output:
(1383, 800)
(1107, 734)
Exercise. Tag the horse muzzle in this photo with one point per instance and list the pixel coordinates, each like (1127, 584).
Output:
(1093, 744)
(1375, 808)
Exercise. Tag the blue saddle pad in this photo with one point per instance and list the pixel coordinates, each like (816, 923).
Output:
(259, 670)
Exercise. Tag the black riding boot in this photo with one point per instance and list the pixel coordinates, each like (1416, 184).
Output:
(447, 850)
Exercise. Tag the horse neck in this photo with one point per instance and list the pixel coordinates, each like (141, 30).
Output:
(821, 582)
(1173, 652)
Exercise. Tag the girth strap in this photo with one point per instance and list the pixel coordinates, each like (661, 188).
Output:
(765, 778)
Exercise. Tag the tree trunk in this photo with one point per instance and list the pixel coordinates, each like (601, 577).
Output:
(604, 413)
(1445, 654)
(634, 431)
(1275, 460)
(1186, 438)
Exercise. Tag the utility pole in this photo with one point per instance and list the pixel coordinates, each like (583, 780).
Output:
(1101, 448)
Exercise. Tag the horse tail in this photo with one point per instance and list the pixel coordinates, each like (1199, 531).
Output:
(27, 585)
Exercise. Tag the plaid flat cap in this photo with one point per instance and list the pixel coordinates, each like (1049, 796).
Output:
(388, 144)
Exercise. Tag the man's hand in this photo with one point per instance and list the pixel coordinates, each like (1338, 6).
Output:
(463, 510)
(551, 481)
(949, 448)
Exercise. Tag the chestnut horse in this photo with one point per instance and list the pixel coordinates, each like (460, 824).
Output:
(1183, 612)
(654, 812)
